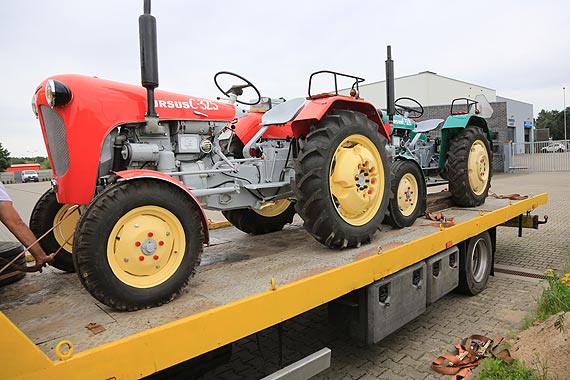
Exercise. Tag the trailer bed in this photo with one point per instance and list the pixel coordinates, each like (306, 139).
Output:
(230, 297)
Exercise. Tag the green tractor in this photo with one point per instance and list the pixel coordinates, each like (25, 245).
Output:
(461, 155)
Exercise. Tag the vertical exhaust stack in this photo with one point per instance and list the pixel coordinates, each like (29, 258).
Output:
(149, 65)
(391, 108)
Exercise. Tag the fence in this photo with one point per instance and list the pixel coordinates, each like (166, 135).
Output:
(542, 156)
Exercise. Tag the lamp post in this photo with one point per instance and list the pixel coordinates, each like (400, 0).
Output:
(564, 90)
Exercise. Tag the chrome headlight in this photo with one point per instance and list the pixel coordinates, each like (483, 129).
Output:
(34, 106)
(57, 93)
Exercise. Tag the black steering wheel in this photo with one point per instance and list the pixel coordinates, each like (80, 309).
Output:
(237, 89)
(414, 111)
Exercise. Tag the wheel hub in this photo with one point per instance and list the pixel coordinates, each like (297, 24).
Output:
(146, 246)
(356, 180)
(478, 167)
(407, 194)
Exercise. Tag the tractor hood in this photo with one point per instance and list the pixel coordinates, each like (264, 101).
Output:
(127, 103)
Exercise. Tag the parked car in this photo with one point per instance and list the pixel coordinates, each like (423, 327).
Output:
(554, 147)
(30, 176)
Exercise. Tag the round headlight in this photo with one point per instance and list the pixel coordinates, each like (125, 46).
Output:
(34, 107)
(57, 93)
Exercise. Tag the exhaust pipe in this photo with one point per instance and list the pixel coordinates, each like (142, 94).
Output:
(149, 66)
(391, 108)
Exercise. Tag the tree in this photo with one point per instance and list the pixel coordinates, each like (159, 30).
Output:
(4, 158)
(554, 121)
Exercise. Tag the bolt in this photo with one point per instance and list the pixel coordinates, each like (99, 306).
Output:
(141, 258)
(138, 243)
(126, 260)
(157, 267)
(136, 225)
(155, 257)
(167, 233)
(161, 243)
(150, 234)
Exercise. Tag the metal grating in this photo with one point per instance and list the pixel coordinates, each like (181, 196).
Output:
(519, 273)
(57, 140)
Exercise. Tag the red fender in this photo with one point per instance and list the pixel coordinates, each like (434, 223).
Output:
(316, 109)
(127, 175)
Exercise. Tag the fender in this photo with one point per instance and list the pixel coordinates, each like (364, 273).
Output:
(246, 127)
(316, 109)
(455, 123)
(129, 175)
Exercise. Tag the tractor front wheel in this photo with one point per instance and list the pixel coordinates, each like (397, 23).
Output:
(48, 213)
(272, 217)
(468, 167)
(138, 244)
(342, 179)
(409, 193)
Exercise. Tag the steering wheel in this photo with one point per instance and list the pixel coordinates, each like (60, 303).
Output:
(413, 112)
(237, 90)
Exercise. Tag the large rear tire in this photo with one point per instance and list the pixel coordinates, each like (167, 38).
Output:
(409, 194)
(475, 262)
(47, 213)
(138, 244)
(469, 167)
(342, 179)
(271, 218)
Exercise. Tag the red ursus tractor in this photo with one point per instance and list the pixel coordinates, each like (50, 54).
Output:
(142, 164)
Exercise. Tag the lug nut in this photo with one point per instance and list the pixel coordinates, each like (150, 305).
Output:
(141, 258)
(155, 257)
(138, 243)
(150, 234)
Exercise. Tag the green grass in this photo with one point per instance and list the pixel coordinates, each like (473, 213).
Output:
(495, 369)
(555, 299)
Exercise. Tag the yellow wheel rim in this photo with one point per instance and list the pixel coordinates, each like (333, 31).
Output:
(146, 246)
(407, 194)
(273, 208)
(478, 167)
(356, 180)
(64, 232)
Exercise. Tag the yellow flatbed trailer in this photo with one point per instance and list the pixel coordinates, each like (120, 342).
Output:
(244, 285)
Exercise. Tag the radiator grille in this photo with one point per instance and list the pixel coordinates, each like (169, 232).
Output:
(57, 140)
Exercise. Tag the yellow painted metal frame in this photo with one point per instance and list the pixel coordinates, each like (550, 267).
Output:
(146, 352)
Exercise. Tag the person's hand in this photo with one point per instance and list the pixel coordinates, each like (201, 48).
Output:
(41, 263)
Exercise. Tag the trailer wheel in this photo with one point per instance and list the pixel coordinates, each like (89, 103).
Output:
(342, 180)
(475, 263)
(468, 167)
(138, 244)
(271, 218)
(47, 213)
(409, 192)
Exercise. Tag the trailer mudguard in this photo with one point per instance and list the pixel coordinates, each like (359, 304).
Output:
(453, 124)
(129, 175)
(316, 109)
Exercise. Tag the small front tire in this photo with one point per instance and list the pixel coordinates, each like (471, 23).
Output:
(409, 194)
(138, 244)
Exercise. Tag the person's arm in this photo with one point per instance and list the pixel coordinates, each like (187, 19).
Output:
(12, 220)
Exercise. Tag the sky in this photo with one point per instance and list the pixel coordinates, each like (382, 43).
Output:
(520, 48)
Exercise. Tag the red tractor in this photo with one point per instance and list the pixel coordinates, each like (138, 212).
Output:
(142, 164)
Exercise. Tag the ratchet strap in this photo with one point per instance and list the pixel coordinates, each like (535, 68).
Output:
(470, 352)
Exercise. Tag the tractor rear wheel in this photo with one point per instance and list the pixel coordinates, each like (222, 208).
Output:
(342, 179)
(409, 193)
(469, 167)
(47, 213)
(271, 218)
(138, 244)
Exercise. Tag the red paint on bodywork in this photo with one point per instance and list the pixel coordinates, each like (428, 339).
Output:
(98, 106)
